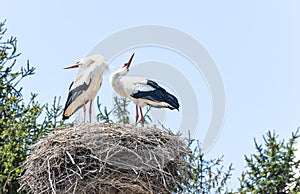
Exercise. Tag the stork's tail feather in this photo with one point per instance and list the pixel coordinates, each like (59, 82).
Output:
(69, 112)
(65, 117)
(172, 100)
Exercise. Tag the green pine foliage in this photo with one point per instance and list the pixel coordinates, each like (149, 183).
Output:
(53, 114)
(18, 119)
(103, 115)
(272, 168)
(120, 110)
(203, 176)
(18, 127)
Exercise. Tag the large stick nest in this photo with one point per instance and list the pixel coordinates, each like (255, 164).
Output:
(104, 158)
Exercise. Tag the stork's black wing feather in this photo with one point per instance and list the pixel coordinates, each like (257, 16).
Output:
(159, 94)
(71, 85)
(73, 94)
(154, 84)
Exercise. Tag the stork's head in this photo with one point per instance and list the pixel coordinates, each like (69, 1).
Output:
(97, 59)
(125, 67)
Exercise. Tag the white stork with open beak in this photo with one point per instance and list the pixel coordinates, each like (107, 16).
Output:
(141, 91)
(86, 85)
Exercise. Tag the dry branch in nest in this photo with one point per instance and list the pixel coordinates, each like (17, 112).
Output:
(104, 158)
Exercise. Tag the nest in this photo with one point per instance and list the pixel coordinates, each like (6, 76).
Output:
(104, 158)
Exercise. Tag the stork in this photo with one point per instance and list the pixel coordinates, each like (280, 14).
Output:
(86, 85)
(141, 91)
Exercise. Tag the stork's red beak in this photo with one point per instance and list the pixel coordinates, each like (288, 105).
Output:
(129, 62)
(72, 66)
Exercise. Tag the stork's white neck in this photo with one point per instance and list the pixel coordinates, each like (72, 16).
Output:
(117, 74)
(113, 78)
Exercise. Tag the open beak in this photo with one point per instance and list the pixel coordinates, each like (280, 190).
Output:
(72, 66)
(129, 62)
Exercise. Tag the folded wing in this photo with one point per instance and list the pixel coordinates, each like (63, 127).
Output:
(75, 97)
(154, 95)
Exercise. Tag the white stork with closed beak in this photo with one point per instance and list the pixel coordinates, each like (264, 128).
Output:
(86, 85)
(141, 91)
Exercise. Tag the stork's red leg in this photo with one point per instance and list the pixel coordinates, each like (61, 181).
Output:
(84, 111)
(136, 114)
(142, 116)
(90, 111)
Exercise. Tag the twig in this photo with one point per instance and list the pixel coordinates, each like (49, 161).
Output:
(49, 174)
(72, 160)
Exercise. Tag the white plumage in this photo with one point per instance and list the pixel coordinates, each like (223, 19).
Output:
(86, 85)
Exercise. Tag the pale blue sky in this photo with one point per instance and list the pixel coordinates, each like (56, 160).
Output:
(255, 45)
